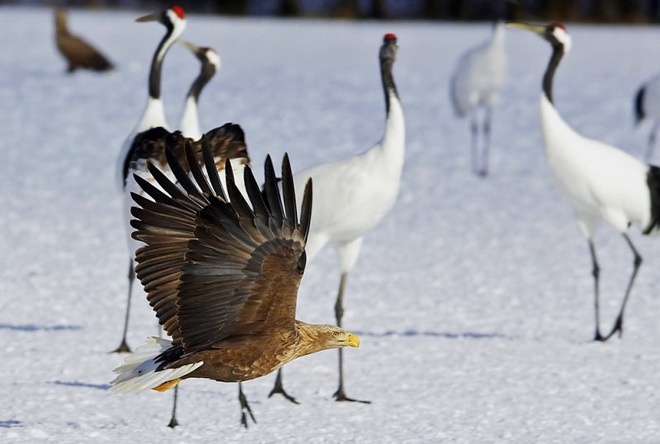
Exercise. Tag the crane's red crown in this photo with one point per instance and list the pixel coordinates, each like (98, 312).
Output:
(390, 36)
(559, 25)
(178, 10)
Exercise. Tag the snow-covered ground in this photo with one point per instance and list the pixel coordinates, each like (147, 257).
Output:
(473, 299)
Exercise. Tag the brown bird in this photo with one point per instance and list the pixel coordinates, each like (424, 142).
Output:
(224, 143)
(77, 52)
(222, 275)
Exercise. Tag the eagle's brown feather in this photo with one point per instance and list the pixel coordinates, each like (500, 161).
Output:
(223, 273)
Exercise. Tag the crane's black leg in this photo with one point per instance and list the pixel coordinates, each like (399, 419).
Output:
(596, 274)
(339, 304)
(123, 347)
(618, 324)
(279, 388)
(245, 407)
(474, 129)
(652, 137)
(486, 142)
(340, 394)
(173, 421)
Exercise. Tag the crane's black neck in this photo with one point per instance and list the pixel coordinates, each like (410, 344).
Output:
(389, 87)
(205, 75)
(557, 54)
(157, 62)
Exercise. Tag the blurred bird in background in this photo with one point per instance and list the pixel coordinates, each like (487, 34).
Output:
(476, 83)
(77, 52)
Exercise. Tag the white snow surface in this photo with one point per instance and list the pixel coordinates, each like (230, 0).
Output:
(473, 299)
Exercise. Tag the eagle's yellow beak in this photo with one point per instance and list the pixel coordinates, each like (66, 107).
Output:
(352, 340)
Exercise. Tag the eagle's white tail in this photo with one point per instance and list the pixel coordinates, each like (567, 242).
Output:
(139, 369)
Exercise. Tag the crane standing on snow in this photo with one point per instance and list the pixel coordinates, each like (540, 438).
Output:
(153, 116)
(599, 180)
(476, 84)
(351, 196)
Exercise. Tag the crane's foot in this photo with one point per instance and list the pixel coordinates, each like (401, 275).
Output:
(278, 388)
(618, 327)
(173, 423)
(340, 396)
(123, 347)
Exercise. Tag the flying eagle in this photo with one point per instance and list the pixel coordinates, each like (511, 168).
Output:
(222, 275)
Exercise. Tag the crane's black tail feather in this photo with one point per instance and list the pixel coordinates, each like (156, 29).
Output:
(639, 105)
(653, 181)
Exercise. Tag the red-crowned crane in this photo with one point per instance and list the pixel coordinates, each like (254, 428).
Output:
(351, 196)
(129, 160)
(601, 182)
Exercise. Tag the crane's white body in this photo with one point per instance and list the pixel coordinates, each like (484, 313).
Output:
(351, 196)
(599, 180)
(189, 125)
(152, 117)
(480, 74)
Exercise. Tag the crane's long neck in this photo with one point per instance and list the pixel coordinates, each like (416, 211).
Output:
(559, 137)
(389, 87)
(205, 75)
(557, 54)
(394, 139)
(157, 60)
(189, 119)
(154, 113)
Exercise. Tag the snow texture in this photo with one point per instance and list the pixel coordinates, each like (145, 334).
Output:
(473, 299)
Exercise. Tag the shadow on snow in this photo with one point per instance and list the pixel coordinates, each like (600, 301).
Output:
(82, 384)
(33, 327)
(436, 334)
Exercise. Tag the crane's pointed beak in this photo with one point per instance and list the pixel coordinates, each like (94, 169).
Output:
(148, 18)
(537, 29)
(191, 46)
